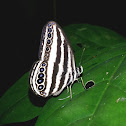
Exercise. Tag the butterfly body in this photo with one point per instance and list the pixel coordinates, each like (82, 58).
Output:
(55, 68)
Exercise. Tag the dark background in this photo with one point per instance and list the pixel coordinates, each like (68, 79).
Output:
(23, 21)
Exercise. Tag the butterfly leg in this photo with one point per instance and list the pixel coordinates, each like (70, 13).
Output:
(82, 82)
(67, 89)
(78, 81)
(70, 92)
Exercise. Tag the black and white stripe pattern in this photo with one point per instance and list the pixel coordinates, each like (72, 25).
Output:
(56, 66)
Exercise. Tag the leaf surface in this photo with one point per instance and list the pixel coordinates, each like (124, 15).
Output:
(15, 105)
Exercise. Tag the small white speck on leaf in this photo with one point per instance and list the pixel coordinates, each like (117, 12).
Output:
(107, 73)
(89, 118)
(121, 99)
(117, 100)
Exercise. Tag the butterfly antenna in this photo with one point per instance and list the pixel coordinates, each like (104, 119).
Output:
(81, 56)
(80, 65)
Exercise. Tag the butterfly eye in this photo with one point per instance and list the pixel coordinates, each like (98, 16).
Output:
(79, 71)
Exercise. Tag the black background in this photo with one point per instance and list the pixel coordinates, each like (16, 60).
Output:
(23, 21)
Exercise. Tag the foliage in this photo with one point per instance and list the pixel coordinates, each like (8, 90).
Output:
(104, 62)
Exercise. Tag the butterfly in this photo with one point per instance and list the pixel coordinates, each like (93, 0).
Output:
(55, 70)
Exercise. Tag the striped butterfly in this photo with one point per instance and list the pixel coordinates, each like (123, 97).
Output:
(55, 69)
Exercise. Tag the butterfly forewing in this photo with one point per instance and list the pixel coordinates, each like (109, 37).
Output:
(56, 66)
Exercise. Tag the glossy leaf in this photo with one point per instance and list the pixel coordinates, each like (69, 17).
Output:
(104, 62)
(15, 105)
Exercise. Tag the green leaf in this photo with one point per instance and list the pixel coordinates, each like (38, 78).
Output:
(15, 105)
(104, 62)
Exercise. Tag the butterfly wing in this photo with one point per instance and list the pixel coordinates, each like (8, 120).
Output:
(56, 66)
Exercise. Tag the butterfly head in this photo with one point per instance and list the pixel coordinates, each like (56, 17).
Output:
(79, 71)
